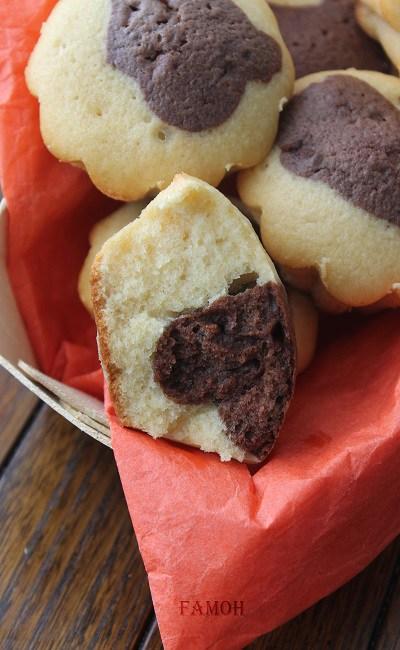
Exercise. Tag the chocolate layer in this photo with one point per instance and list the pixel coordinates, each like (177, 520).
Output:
(191, 58)
(343, 132)
(327, 37)
(239, 354)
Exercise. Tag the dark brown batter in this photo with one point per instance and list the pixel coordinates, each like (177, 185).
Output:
(343, 132)
(191, 58)
(327, 37)
(238, 353)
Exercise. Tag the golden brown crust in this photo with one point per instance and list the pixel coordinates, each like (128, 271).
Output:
(308, 280)
(98, 301)
(381, 26)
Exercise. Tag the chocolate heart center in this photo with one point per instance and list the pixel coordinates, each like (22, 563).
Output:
(238, 353)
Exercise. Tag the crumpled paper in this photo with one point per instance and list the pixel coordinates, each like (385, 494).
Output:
(52, 208)
(230, 555)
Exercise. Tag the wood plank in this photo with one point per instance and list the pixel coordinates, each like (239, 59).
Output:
(16, 406)
(387, 635)
(70, 572)
(152, 640)
(344, 620)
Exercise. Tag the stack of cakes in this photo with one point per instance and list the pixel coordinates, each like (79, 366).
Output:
(200, 296)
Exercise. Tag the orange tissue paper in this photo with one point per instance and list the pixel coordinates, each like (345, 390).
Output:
(230, 554)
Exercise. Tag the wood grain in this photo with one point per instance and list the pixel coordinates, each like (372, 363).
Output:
(16, 406)
(70, 572)
(387, 636)
(152, 639)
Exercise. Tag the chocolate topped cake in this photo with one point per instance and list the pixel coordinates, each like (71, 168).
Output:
(195, 331)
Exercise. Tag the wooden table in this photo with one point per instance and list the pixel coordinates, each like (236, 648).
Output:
(70, 572)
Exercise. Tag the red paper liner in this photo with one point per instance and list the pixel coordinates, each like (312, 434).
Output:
(324, 505)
